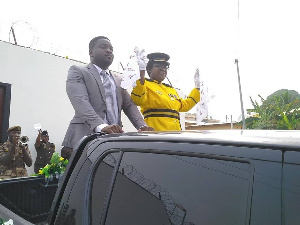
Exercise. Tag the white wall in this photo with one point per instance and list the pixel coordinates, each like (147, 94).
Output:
(38, 92)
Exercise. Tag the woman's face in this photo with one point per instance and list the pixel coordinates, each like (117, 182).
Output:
(159, 71)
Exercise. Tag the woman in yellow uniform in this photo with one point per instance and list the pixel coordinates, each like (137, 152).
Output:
(160, 103)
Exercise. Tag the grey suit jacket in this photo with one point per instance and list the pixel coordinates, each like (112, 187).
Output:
(87, 95)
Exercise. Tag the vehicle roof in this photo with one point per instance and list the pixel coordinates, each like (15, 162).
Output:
(277, 139)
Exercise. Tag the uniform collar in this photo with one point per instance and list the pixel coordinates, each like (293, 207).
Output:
(155, 81)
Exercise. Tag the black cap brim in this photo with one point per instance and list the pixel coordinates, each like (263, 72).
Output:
(158, 57)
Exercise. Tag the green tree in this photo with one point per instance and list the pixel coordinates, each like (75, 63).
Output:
(280, 111)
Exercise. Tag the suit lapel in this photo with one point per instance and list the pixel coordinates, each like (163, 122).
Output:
(92, 69)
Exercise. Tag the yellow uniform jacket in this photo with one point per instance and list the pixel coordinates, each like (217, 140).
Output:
(160, 104)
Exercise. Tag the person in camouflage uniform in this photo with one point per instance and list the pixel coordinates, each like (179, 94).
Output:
(14, 155)
(44, 149)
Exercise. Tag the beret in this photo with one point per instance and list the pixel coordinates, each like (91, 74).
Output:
(45, 133)
(14, 128)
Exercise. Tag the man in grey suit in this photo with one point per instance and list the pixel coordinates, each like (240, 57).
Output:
(97, 97)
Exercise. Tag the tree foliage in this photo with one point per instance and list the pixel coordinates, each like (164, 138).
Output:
(280, 111)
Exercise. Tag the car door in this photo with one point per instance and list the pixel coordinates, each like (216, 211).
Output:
(172, 183)
(291, 187)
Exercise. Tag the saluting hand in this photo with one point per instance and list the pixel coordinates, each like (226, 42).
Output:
(141, 58)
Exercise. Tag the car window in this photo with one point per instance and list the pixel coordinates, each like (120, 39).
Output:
(291, 186)
(101, 184)
(173, 189)
(266, 200)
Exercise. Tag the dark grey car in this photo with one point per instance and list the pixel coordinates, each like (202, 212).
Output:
(210, 177)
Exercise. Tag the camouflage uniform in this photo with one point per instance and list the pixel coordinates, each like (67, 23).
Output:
(44, 154)
(14, 165)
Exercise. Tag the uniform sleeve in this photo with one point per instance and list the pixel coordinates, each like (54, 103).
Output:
(27, 156)
(38, 148)
(131, 111)
(52, 145)
(6, 154)
(139, 94)
(190, 101)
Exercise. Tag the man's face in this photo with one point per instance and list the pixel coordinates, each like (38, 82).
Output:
(102, 54)
(45, 138)
(14, 134)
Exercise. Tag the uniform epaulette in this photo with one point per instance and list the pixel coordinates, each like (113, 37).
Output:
(167, 85)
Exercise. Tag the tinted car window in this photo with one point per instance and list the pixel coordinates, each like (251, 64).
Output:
(172, 189)
(101, 183)
(291, 186)
(266, 200)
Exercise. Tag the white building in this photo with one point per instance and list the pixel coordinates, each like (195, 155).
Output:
(37, 81)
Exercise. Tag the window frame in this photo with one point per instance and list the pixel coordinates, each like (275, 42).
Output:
(195, 150)
(290, 158)
(6, 110)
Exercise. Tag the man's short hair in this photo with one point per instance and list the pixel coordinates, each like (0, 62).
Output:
(94, 40)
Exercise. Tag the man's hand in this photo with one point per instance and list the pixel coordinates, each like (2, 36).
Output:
(141, 58)
(146, 128)
(197, 79)
(112, 129)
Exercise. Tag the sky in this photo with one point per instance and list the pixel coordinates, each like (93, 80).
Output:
(205, 34)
